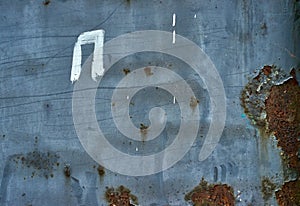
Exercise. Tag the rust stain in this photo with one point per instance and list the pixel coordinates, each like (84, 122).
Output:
(67, 170)
(46, 2)
(289, 195)
(120, 196)
(126, 71)
(144, 131)
(143, 127)
(101, 171)
(148, 71)
(211, 195)
(264, 28)
(194, 102)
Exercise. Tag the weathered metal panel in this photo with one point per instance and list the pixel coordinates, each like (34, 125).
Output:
(42, 160)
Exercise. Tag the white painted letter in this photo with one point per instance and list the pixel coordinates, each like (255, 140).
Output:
(96, 37)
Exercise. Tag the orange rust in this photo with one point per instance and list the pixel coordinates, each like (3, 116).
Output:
(267, 70)
(289, 194)
(273, 107)
(120, 197)
(283, 117)
(272, 103)
(211, 195)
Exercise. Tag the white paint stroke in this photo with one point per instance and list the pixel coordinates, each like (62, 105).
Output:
(174, 100)
(283, 81)
(195, 16)
(174, 20)
(90, 37)
(174, 37)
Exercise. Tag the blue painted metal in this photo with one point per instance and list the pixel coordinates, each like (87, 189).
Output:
(37, 134)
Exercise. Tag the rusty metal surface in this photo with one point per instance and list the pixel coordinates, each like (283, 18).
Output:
(42, 160)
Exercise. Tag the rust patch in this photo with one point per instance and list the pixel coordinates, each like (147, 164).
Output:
(126, 71)
(120, 196)
(289, 195)
(283, 117)
(148, 71)
(267, 188)
(211, 195)
(194, 102)
(271, 101)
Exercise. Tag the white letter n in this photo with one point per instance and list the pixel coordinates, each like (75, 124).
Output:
(96, 37)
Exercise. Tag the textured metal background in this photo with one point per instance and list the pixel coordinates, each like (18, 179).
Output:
(37, 135)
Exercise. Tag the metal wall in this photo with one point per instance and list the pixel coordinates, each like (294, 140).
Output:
(37, 134)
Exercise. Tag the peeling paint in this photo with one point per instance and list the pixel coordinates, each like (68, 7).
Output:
(271, 101)
(255, 93)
